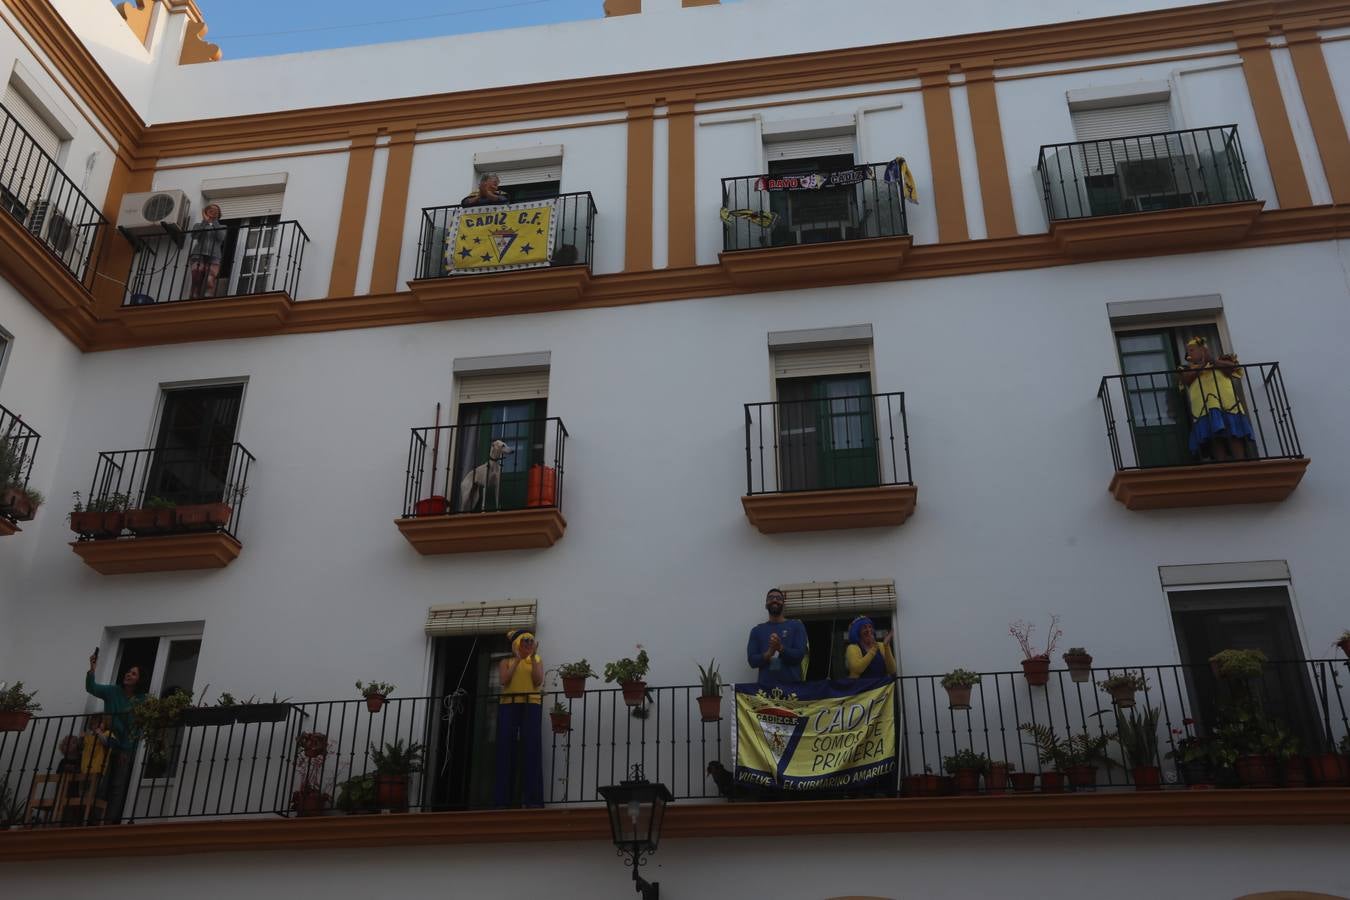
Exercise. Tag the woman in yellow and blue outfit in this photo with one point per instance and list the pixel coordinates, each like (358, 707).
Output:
(1220, 424)
(519, 714)
(865, 656)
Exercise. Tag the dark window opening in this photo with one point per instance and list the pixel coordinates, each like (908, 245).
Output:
(827, 638)
(195, 443)
(520, 425)
(462, 755)
(826, 433)
(814, 217)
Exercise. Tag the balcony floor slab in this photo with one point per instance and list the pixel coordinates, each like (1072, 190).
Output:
(1130, 234)
(829, 510)
(1217, 484)
(775, 267)
(171, 553)
(520, 529)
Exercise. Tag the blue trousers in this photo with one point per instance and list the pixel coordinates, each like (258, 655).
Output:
(518, 734)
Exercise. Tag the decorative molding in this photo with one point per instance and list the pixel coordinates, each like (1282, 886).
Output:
(1134, 234)
(32, 270)
(1272, 120)
(948, 192)
(1218, 484)
(521, 529)
(137, 14)
(352, 219)
(637, 247)
(393, 205)
(174, 553)
(503, 293)
(807, 264)
(682, 182)
(622, 7)
(195, 48)
(1319, 98)
(990, 156)
(1010, 812)
(831, 510)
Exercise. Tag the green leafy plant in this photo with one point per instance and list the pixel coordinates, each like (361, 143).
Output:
(626, 669)
(1238, 663)
(11, 805)
(13, 698)
(356, 793)
(710, 680)
(35, 497)
(384, 689)
(966, 759)
(1344, 746)
(1134, 681)
(1080, 749)
(1077, 651)
(1137, 735)
(1246, 730)
(960, 678)
(578, 669)
(558, 709)
(397, 758)
(153, 719)
(159, 503)
(1343, 639)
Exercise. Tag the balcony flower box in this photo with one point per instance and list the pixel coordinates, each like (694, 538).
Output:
(97, 525)
(254, 713)
(15, 502)
(203, 516)
(207, 716)
(150, 520)
(14, 720)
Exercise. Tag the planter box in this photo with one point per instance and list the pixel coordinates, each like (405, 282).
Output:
(150, 521)
(203, 516)
(207, 716)
(252, 713)
(14, 721)
(14, 503)
(97, 525)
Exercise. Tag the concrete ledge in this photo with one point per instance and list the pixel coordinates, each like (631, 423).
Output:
(1219, 484)
(181, 320)
(503, 293)
(828, 510)
(815, 263)
(520, 529)
(1172, 229)
(173, 553)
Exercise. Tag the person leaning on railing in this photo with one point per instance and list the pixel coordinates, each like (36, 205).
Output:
(865, 656)
(118, 702)
(489, 192)
(1220, 424)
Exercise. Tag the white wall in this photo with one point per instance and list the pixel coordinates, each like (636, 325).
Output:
(1198, 863)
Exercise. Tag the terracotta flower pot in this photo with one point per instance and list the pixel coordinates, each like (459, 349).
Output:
(391, 792)
(1328, 768)
(574, 688)
(710, 708)
(374, 702)
(203, 516)
(14, 502)
(1082, 777)
(16, 720)
(1256, 770)
(1037, 670)
(1147, 778)
(909, 785)
(560, 722)
(996, 779)
(1052, 782)
(1022, 781)
(1294, 772)
(967, 781)
(98, 525)
(1123, 696)
(1080, 666)
(634, 692)
(1344, 644)
(308, 802)
(150, 521)
(958, 696)
(929, 785)
(946, 786)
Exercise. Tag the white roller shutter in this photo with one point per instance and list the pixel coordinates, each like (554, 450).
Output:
(1121, 121)
(526, 384)
(248, 206)
(32, 121)
(808, 362)
(551, 171)
(481, 618)
(805, 148)
(820, 599)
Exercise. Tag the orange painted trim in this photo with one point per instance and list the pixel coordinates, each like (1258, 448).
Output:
(948, 194)
(1319, 98)
(682, 183)
(990, 156)
(352, 219)
(393, 208)
(31, 269)
(137, 14)
(503, 293)
(622, 7)
(689, 820)
(637, 252)
(1272, 119)
(1220, 484)
(808, 264)
(196, 49)
(116, 254)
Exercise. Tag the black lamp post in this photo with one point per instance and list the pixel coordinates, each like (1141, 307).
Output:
(636, 810)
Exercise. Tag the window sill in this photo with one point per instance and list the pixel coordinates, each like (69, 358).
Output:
(829, 510)
(1215, 484)
(837, 261)
(1130, 234)
(521, 529)
(175, 553)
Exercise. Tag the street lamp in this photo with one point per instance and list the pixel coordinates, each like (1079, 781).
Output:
(636, 810)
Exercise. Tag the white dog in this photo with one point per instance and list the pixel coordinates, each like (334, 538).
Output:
(473, 489)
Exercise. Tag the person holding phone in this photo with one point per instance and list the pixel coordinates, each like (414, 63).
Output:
(865, 656)
(118, 702)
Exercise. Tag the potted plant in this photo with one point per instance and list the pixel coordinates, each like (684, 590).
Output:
(1137, 735)
(313, 744)
(16, 706)
(210, 516)
(393, 767)
(1022, 782)
(710, 693)
(1344, 642)
(310, 798)
(1086, 753)
(16, 501)
(966, 767)
(574, 677)
(996, 777)
(1255, 740)
(19, 503)
(154, 719)
(1123, 687)
(101, 518)
(925, 784)
(1050, 751)
(629, 674)
(1036, 663)
(1331, 768)
(253, 711)
(376, 692)
(560, 718)
(224, 712)
(1237, 665)
(1079, 662)
(156, 516)
(356, 795)
(12, 806)
(958, 683)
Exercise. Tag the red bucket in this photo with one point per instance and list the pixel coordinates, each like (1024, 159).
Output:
(432, 506)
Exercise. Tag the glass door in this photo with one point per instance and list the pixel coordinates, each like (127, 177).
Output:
(826, 433)
(191, 463)
(252, 259)
(519, 424)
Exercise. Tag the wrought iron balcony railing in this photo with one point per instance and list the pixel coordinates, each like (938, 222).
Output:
(826, 444)
(487, 467)
(573, 237)
(18, 450)
(760, 211)
(35, 191)
(1150, 417)
(209, 262)
(1144, 173)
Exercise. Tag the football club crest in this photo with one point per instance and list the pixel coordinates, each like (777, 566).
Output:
(500, 238)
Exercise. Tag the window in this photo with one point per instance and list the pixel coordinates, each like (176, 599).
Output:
(827, 609)
(168, 662)
(194, 444)
(508, 406)
(250, 212)
(811, 147)
(825, 419)
(1128, 158)
(534, 173)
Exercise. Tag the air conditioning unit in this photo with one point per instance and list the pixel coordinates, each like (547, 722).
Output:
(154, 213)
(1162, 182)
(49, 224)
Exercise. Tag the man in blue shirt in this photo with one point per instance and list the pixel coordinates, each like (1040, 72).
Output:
(777, 647)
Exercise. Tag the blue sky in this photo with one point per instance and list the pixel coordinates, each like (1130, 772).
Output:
(250, 27)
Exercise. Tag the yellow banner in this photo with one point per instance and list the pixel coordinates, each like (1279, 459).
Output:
(510, 236)
(816, 736)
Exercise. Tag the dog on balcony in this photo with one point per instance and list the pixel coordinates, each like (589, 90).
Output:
(474, 487)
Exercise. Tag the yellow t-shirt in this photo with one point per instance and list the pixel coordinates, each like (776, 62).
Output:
(521, 689)
(858, 661)
(1213, 389)
(93, 753)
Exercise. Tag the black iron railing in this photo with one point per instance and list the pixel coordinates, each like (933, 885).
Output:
(210, 262)
(761, 211)
(826, 444)
(164, 491)
(1143, 173)
(1150, 417)
(35, 191)
(573, 226)
(486, 467)
(301, 758)
(18, 449)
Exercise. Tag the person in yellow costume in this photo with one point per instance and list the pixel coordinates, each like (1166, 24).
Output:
(1220, 426)
(519, 714)
(865, 656)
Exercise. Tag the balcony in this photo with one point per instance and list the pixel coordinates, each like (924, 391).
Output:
(489, 486)
(1171, 190)
(257, 277)
(1149, 427)
(18, 449)
(836, 462)
(46, 204)
(539, 251)
(787, 230)
(163, 510)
